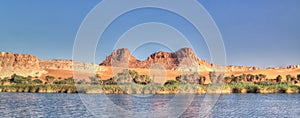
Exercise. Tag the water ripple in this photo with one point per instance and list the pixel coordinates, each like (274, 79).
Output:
(70, 105)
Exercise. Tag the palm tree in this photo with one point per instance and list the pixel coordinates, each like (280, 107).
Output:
(262, 77)
(111, 81)
(4, 81)
(133, 74)
(70, 80)
(82, 81)
(171, 82)
(93, 80)
(288, 78)
(250, 77)
(127, 76)
(202, 79)
(227, 79)
(213, 77)
(244, 77)
(182, 78)
(279, 78)
(17, 79)
(142, 79)
(49, 79)
(37, 81)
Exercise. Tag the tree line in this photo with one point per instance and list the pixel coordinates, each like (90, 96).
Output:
(131, 76)
(129, 81)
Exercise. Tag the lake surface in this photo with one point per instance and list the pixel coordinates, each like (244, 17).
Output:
(93, 105)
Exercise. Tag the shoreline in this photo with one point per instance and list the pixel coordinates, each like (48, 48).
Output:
(148, 94)
(140, 89)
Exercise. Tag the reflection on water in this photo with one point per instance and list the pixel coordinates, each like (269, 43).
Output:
(70, 105)
(41, 105)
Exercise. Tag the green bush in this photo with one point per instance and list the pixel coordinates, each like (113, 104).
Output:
(37, 81)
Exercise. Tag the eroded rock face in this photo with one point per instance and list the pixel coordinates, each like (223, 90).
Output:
(183, 59)
(188, 61)
(69, 65)
(164, 59)
(27, 65)
(21, 64)
(120, 58)
(56, 64)
(240, 68)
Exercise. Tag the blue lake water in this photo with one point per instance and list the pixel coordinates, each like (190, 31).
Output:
(96, 105)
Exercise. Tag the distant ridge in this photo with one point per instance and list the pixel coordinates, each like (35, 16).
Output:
(183, 59)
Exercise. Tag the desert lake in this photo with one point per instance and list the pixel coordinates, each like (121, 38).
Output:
(71, 105)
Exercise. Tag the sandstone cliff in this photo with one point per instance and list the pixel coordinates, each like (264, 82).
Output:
(69, 65)
(56, 64)
(183, 59)
(21, 64)
(27, 65)
(120, 58)
(240, 68)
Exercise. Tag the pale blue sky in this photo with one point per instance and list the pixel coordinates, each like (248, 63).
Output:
(255, 32)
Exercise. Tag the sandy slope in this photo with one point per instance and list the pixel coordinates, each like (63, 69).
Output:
(164, 75)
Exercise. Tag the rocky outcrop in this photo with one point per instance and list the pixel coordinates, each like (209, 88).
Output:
(293, 67)
(120, 58)
(164, 59)
(21, 64)
(27, 65)
(69, 65)
(240, 68)
(183, 59)
(56, 64)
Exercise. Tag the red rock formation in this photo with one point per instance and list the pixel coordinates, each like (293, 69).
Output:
(183, 59)
(165, 59)
(120, 58)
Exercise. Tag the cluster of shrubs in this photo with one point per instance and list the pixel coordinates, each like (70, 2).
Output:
(17, 79)
(127, 77)
(261, 78)
(17, 83)
(194, 78)
(245, 83)
(129, 81)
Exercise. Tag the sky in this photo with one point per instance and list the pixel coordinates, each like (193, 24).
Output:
(263, 33)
